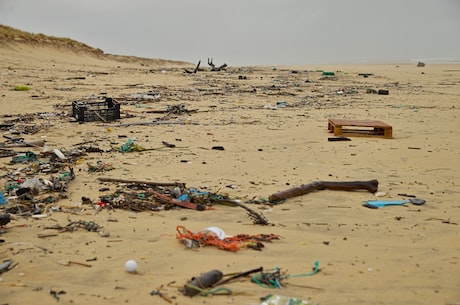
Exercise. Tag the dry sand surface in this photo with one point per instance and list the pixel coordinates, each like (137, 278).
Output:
(393, 255)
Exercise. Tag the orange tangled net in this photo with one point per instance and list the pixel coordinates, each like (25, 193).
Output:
(233, 243)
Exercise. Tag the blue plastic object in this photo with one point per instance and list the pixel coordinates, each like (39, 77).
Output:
(3, 199)
(375, 204)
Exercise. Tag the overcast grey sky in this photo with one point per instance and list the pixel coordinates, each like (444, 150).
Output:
(251, 32)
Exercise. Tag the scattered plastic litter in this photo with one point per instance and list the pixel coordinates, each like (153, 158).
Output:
(374, 204)
(273, 299)
(130, 146)
(43, 177)
(6, 265)
(24, 158)
(273, 278)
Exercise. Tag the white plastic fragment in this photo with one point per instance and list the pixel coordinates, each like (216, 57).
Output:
(58, 153)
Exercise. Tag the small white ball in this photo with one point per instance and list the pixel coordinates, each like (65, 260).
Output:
(131, 266)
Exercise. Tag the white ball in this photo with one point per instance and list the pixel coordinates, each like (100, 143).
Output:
(131, 266)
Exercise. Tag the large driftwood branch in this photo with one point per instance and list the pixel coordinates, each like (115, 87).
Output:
(196, 68)
(370, 186)
(214, 68)
(210, 63)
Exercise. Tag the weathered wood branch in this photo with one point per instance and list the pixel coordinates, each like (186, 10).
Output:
(196, 68)
(370, 186)
(214, 68)
(210, 63)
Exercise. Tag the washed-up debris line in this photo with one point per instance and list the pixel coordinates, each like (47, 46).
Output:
(33, 196)
(211, 282)
(149, 96)
(156, 196)
(28, 192)
(27, 124)
(173, 111)
(72, 226)
(37, 180)
(273, 278)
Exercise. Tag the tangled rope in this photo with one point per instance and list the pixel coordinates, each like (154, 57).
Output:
(273, 278)
(232, 243)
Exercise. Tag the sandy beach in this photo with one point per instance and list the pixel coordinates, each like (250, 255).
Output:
(244, 133)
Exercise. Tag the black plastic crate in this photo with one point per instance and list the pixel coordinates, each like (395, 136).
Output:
(108, 110)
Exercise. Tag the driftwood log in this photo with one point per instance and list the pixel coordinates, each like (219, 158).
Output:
(211, 64)
(214, 68)
(193, 71)
(370, 186)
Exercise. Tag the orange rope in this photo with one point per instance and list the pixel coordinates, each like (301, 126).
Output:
(233, 243)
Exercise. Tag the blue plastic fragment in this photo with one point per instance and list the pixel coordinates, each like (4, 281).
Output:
(3, 199)
(383, 203)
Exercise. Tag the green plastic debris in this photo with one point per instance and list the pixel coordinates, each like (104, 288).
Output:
(273, 299)
(131, 146)
(21, 88)
(24, 157)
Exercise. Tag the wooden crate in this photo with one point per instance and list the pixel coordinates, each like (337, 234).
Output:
(366, 128)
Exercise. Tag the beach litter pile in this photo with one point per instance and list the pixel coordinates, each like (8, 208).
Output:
(209, 143)
(38, 178)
